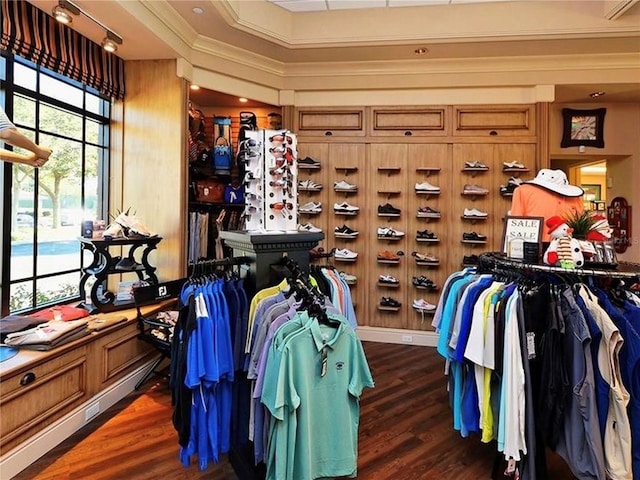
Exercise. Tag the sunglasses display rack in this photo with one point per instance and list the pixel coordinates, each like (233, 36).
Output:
(271, 181)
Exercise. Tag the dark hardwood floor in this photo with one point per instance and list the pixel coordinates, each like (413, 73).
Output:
(405, 432)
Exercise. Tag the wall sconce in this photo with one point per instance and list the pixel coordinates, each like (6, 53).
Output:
(64, 11)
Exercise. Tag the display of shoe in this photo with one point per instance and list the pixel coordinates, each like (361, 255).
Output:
(428, 212)
(470, 260)
(309, 227)
(131, 226)
(424, 282)
(311, 207)
(508, 189)
(426, 258)
(344, 186)
(422, 305)
(426, 187)
(388, 210)
(388, 279)
(513, 166)
(113, 231)
(389, 232)
(426, 234)
(345, 232)
(345, 253)
(309, 162)
(389, 302)
(514, 181)
(476, 165)
(345, 207)
(474, 212)
(389, 256)
(309, 185)
(473, 189)
(347, 277)
(474, 237)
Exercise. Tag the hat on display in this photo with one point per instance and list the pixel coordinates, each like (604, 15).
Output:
(556, 181)
(554, 222)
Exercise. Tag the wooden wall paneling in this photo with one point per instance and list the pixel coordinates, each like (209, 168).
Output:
(430, 163)
(494, 120)
(348, 162)
(388, 179)
(470, 152)
(154, 182)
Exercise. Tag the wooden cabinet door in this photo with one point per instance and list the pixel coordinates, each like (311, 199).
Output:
(494, 121)
(409, 122)
(330, 122)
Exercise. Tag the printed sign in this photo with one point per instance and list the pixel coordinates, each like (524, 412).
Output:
(520, 230)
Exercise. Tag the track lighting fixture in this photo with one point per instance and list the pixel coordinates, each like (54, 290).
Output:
(64, 11)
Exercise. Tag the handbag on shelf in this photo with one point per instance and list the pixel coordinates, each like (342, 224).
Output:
(209, 191)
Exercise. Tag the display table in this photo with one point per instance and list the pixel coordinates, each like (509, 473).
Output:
(104, 264)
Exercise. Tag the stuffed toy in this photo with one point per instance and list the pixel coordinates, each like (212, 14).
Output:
(600, 231)
(564, 250)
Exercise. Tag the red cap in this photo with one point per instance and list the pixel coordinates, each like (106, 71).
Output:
(554, 222)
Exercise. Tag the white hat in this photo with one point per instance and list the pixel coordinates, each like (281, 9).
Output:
(556, 181)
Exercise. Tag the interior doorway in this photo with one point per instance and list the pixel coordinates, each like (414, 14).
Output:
(591, 175)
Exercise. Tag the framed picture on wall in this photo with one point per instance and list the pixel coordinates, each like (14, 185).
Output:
(583, 128)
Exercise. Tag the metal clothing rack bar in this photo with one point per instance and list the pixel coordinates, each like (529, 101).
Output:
(496, 262)
(205, 266)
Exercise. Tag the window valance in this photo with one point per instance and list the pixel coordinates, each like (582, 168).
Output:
(32, 34)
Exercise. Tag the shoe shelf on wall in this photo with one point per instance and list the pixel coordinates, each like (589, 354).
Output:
(426, 240)
(389, 261)
(474, 218)
(422, 263)
(428, 170)
(388, 285)
(389, 193)
(515, 171)
(389, 170)
(388, 309)
(346, 170)
(390, 238)
(475, 170)
(474, 242)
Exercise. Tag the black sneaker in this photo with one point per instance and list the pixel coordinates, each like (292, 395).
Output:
(428, 212)
(426, 234)
(474, 237)
(389, 210)
(345, 232)
(389, 302)
(128, 265)
(423, 282)
(470, 260)
(309, 162)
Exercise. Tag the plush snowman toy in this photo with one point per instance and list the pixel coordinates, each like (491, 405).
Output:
(564, 250)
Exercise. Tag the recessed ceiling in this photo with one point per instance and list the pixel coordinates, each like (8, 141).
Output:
(323, 5)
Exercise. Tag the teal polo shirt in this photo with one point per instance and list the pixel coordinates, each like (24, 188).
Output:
(317, 407)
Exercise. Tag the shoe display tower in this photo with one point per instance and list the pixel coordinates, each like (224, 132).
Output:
(104, 264)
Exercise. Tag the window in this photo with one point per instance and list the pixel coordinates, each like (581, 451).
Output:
(43, 209)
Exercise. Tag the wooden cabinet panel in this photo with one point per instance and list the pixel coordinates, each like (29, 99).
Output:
(495, 121)
(409, 122)
(330, 122)
(33, 398)
(118, 353)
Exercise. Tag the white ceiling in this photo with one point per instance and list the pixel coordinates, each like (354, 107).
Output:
(324, 5)
(176, 19)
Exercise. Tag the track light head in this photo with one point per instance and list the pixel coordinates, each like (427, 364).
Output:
(62, 15)
(111, 41)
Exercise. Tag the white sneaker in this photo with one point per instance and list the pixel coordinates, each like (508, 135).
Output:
(426, 187)
(513, 165)
(309, 185)
(309, 227)
(347, 277)
(311, 207)
(476, 164)
(474, 212)
(345, 253)
(389, 232)
(388, 279)
(422, 305)
(345, 207)
(343, 185)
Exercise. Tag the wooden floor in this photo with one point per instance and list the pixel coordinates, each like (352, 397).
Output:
(405, 432)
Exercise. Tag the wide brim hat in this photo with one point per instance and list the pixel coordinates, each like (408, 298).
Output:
(557, 182)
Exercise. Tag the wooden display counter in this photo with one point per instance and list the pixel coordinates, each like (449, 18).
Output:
(38, 388)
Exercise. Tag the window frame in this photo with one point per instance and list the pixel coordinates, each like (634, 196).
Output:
(8, 92)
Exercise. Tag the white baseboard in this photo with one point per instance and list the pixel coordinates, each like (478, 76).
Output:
(20, 457)
(396, 335)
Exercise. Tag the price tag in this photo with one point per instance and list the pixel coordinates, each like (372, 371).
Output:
(531, 345)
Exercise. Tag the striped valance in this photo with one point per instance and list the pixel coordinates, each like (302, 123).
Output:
(32, 34)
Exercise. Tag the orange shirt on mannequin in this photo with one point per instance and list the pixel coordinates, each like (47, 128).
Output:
(534, 201)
